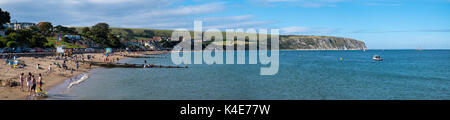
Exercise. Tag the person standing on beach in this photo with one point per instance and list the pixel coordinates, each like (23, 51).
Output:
(40, 82)
(77, 64)
(33, 86)
(29, 81)
(21, 82)
(49, 68)
(71, 71)
(64, 66)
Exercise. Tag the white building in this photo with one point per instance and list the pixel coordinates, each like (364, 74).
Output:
(150, 45)
(19, 25)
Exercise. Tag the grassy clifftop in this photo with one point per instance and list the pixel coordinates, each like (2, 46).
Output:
(320, 43)
(286, 41)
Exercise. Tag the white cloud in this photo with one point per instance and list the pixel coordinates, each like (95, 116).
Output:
(132, 13)
(227, 18)
(327, 3)
(303, 30)
(281, 0)
(295, 29)
(106, 1)
(300, 3)
(158, 14)
(238, 24)
(382, 4)
(185, 10)
(313, 5)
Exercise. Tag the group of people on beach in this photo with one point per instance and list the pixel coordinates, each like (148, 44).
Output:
(107, 59)
(31, 83)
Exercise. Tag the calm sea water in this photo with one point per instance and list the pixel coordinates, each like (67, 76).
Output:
(317, 75)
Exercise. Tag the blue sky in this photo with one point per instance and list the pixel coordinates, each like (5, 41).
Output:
(381, 24)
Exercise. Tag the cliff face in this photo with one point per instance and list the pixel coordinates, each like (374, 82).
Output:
(320, 43)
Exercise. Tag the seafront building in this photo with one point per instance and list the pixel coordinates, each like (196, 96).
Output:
(19, 25)
(16, 26)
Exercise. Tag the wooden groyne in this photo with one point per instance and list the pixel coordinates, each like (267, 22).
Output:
(161, 52)
(142, 56)
(125, 65)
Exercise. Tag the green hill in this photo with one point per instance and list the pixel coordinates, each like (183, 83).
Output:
(286, 41)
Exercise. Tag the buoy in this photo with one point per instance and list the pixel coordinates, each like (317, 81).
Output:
(340, 59)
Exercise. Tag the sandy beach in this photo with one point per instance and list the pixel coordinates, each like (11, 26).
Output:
(51, 78)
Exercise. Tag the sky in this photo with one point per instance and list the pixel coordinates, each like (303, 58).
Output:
(381, 24)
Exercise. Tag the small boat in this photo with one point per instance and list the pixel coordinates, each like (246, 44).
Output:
(377, 58)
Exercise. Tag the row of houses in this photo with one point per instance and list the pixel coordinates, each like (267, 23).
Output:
(148, 43)
(16, 26)
(77, 39)
(19, 25)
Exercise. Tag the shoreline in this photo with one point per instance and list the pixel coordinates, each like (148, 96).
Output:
(57, 76)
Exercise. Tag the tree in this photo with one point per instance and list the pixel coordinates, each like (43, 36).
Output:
(23, 37)
(11, 44)
(4, 17)
(60, 29)
(14, 36)
(128, 34)
(9, 30)
(72, 30)
(65, 30)
(3, 41)
(45, 28)
(34, 28)
(37, 41)
(26, 37)
(100, 33)
(85, 30)
(113, 41)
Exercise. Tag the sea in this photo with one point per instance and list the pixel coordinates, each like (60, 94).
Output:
(302, 75)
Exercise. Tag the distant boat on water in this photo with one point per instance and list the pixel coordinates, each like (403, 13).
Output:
(377, 58)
